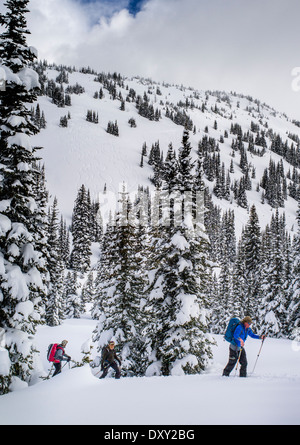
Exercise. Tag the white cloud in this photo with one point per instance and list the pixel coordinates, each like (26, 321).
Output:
(249, 47)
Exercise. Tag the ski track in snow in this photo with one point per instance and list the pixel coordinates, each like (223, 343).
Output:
(76, 397)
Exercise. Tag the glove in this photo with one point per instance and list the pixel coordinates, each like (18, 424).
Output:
(69, 358)
(263, 336)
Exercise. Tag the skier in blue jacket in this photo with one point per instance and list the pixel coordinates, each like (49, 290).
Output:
(236, 347)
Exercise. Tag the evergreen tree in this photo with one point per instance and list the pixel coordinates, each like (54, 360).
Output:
(81, 232)
(74, 305)
(228, 239)
(252, 255)
(185, 347)
(239, 285)
(55, 305)
(170, 169)
(180, 284)
(294, 290)
(88, 289)
(120, 288)
(63, 242)
(23, 276)
(185, 177)
(272, 308)
(223, 306)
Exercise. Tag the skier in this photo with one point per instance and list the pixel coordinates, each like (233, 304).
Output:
(60, 356)
(236, 347)
(109, 359)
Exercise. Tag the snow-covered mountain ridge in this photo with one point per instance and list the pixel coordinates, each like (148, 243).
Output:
(85, 153)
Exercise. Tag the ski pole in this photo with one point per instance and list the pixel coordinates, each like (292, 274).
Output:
(258, 353)
(48, 376)
(104, 368)
(64, 365)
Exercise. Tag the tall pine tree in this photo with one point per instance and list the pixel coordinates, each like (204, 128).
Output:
(81, 232)
(22, 249)
(120, 286)
(183, 346)
(294, 303)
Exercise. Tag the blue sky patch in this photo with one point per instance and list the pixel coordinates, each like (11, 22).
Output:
(133, 6)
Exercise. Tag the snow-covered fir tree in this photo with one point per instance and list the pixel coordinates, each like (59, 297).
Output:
(118, 295)
(81, 232)
(73, 304)
(88, 289)
(182, 277)
(23, 275)
(251, 243)
(272, 307)
(55, 303)
(294, 303)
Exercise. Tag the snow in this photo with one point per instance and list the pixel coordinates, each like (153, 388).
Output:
(16, 281)
(9, 76)
(4, 362)
(21, 139)
(26, 76)
(179, 241)
(84, 153)
(24, 310)
(189, 308)
(2, 74)
(5, 223)
(29, 254)
(269, 396)
(16, 121)
(4, 204)
(20, 339)
(29, 78)
(4, 357)
(177, 369)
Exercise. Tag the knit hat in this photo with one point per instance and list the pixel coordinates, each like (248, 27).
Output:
(64, 342)
(247, 319)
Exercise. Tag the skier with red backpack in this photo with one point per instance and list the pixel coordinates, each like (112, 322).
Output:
(236, 334)
(56, 354)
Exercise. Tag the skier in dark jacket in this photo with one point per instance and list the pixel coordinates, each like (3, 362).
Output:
(236, 347)
(60, 356)
(109, 359)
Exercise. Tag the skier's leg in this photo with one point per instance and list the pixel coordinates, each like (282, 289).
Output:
(116, 368)
(243, 362)
(105, 371)
(57, 367)
(233, 357)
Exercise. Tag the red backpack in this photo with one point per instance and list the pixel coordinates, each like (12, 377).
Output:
(51, 352)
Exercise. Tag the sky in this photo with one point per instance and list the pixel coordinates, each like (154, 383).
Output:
(231, 45)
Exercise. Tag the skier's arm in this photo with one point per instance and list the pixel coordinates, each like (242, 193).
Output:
(59, 355)
(251, 334)
(237, 336)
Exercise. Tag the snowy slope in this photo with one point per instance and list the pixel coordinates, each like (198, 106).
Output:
(269, 396)
(84, 153)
